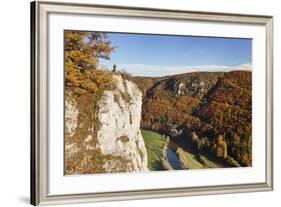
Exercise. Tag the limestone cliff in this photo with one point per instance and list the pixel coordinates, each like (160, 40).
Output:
(102, 132)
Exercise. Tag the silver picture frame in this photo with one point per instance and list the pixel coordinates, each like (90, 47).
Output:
(39, 100)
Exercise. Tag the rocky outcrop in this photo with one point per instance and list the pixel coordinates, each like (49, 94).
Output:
(119, 134)
(102, 133)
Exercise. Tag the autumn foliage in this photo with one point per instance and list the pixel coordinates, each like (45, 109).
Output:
(83, 50)
(216, 106)
(210, 105)
(84, 85)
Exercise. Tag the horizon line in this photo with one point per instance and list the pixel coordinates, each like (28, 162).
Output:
(143, 70)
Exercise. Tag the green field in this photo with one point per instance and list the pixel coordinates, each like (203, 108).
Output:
(154, 144)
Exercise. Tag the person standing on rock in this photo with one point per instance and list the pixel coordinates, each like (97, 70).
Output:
(114, 68)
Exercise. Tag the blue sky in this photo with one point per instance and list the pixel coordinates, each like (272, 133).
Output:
(159, 55)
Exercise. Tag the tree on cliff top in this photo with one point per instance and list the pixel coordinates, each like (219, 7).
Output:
(82, 53)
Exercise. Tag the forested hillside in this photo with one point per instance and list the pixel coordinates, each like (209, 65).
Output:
(216, 107)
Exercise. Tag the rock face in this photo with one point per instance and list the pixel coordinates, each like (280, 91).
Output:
(119, 134)
(104, 135)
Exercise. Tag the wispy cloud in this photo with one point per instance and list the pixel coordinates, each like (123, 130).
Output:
(158, 71)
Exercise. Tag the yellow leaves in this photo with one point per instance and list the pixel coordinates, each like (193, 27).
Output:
(92, 81)
(88, 85)
(82, 53)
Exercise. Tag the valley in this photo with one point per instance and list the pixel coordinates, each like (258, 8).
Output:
(178, 156)
(143, 112)
(205, 115)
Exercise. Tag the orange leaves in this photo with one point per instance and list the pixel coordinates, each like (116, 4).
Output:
(82, 53)
(206, 103)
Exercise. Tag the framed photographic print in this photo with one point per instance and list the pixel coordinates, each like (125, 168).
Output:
(134, 103)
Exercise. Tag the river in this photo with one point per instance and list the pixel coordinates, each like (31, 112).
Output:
(186, 158)
(173, 159)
